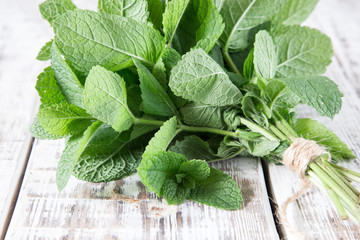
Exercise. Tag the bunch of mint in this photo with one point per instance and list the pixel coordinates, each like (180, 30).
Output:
(219, 78)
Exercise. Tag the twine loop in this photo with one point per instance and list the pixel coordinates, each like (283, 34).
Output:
(297, 158)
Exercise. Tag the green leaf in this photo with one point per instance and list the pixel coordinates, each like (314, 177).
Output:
(66, 163)
(154, 169)
(200, 27)
(66, 78)
(218, 190)
(159, 72)
(293, 12)
(87, 39)
(318, 92)
(51, 9)
(155, 100)
(265, 60)
(199, 170)
(249, 68)
(105, 98)
(63, 119)
(240, 17)
(302, 51)
(197, 77)
(256, 109)
(48, 89)
(193, 147)
(170, 58)
(196, 114)
(105, 161)
(135, 9)
(314, 130)
(134, 99)
(216, 54)
(37, 131)
(156, 9)
(172, 17)
(173, 192)
(162, 138)
(261, 147)
(45, 53)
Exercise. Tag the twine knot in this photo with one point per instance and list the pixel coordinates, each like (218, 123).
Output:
(297, 158)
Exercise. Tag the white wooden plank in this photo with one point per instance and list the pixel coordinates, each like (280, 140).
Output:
(21, 36)
(123, 208)
(313, 213)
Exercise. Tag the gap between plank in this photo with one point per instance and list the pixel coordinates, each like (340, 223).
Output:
(273, 204)
(16, 193)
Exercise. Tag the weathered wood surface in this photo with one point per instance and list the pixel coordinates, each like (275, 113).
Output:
(313, 214)
(123, 208)
(21, 35)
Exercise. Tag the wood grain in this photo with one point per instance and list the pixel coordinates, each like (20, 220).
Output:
(123, 208)
(21, 36)
(313, 213)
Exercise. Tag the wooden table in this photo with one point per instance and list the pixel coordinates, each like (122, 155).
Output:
(32, 208)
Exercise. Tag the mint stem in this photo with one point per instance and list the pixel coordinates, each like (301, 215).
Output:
(256, 128)
(229, 61)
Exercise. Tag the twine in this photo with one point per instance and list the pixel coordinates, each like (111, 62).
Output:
(297, 158)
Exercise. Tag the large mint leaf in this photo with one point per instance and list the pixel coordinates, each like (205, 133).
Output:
(74, 149)
(135, 9)
(193, 147)
(196, 114)
(302, 51)
(199, 170)
(87, 39)
(172, 17)
(200, 26)
(51, 9)
(106, 160)
(63, 119)
(293, 12)
(48, 88)
(197, 77)
(162, 138)
(154, 169)
(174, 193)
(314, 130)
(265, 60)
(241, 16)
(105, 98)
(66, 78)
(155, 100)
(318, 92)
(45, 53)
(218, 190)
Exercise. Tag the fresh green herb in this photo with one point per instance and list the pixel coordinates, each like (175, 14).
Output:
(163, 88)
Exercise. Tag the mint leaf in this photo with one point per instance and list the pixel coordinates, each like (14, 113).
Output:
(256, 109)
(302, 51)
(66, 78)
(174, 193)
(197, 77)
(218, 190)
(48, 89)
(154, 169)
(105, 98)
(240, 17)
(293, 12)
(172, 17)
(74, 148)
(135, 9)
(66, 163)
(314, 130)
(196, 114)
(199, 170)
(87, 39)
(261, 147)
(37, 131)
(45, 53)
(249, 68)
(193, 147)
(318, 92)
(156, 9)
(63, 119)
(162, 138)
(155, 100)
(265, 59)
(51, 9)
